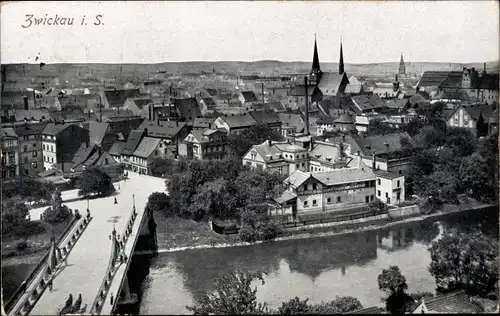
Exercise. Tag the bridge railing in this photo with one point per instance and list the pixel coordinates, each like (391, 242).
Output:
(115, 260)
(37, 279)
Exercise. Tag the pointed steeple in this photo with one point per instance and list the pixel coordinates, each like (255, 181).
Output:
(402, 68)
(315, 65)
(341, 60)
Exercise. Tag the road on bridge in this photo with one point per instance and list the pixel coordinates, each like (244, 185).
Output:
(88, 260)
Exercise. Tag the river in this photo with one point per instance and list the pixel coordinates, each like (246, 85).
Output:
(314, 268)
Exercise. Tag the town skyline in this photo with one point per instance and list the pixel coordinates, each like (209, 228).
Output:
(371, 32)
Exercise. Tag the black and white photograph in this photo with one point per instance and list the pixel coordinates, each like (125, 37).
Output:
(249, 157)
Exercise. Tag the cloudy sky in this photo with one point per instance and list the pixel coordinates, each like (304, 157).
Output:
(150, 32)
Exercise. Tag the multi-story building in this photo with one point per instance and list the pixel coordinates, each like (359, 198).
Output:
(205, 144)
(10, 154)
(334, 190)
(390, 187)
(60, 142)
(30, 148)
(476, 118)
(142, 159)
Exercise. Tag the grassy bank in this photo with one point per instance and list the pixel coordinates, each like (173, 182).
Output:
(36, 244)
(175, 232)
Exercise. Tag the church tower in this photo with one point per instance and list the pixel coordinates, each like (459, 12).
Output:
(316, 72)
(395, 84)
(341, 61)
(402, 68)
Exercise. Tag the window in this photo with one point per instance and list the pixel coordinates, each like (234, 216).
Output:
(399, 184)
(372, 198)
(280, 170)
(329, 200)
(25, 148)
(34, 145)
(378, 193)
(43, 146)
(386, 194)
(34, 164)
(305, 204)
(378, 181)
(367, 199)
(12, 158)
(314, 186)
(314, 202)
(339, 199)
(35, 154)
(51, 159)
(398, 196)
(400, 171)
(25, 159)
(297, 165)
(12, 172)
(303, 164)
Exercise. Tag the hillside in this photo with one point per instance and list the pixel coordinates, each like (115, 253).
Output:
(14, 72)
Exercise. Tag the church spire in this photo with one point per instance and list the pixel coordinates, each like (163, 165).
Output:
(402, 68)
(341, 61)
(315, 69)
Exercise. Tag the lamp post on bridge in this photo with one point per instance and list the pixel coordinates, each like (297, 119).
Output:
(133, 201)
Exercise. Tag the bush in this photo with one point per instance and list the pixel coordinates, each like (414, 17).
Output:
(248, 233)
(268, 231)
(59, 215)
(21, 245)
(377, 206)
(94, 181)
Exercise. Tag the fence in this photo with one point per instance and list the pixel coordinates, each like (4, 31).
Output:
(324, 218)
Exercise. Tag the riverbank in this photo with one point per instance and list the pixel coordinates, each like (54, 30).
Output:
(176, 234)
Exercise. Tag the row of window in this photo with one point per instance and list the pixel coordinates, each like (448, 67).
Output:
(48, 147)
(25, 148)
(11, 155)
(48, 159)
(398, 182)
(328, 201)
(398, 195)
(36, 136)
(48, 137)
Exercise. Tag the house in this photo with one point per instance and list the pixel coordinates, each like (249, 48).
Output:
(116, 98)
(296, 97)
(60, 142)
(270, 119)
(390, 187)
(367, 103)
(334, 190)
(26, 116)
(204, 144)
(136, 105)
(187, 108)
(452, 303)
(142, 158)
(247, 97)
(116, 149)
(343, 123)
(207, 105)
(362, 121)
(171, 133)
(324, 124)
(381, 152)
(100, 134)
(133, 140)
(201, 123)
(354, 89)
(275, 106)
(10, 154)
(476, 118)
(235, 124)
(386, 92)
(30, 148)
(399, 104)
(85, 102)
(291, 124)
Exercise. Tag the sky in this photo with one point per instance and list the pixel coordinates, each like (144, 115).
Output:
(155, 32)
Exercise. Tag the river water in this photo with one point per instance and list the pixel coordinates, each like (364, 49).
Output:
(315, 268)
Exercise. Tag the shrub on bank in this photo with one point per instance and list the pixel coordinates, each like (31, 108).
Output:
(56, 215)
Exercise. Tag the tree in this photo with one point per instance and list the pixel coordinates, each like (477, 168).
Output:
(163, 166)
(461, 141)
(240, 144)
(465, 261)
(159, 202)
(476, 178)
(377, 206)
(293, 307)
(233, 294)
(430, 137)
(339, 305)
(393, 283)
(379, 127)
(214, 198)
(412, 127)
(95, 181)
(14, 214)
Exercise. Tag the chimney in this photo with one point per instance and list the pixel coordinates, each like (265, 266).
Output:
(87, 143)
(26, 104)
(149, 112)
(263, 99)
(307, 108)
(373, 161)
(209, 125)
(484, 69)
(145, 132)
(158, 120)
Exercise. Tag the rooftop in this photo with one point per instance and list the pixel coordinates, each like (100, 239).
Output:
(146, 147)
